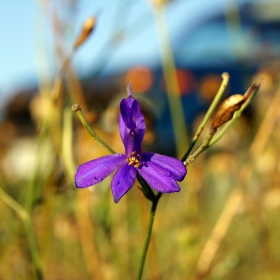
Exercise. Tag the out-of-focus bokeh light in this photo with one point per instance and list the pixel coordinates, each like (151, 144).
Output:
(209, 86)
(140, 77)
(186, 81)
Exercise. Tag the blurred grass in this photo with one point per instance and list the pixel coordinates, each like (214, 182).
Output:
(82, 234)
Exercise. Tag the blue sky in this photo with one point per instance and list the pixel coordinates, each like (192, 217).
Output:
(16, 40)
(25, 35)
(27, 44)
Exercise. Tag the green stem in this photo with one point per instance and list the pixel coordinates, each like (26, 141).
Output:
(13, 204)
(41, 145)
(77, 109)
(209, 140)
(209, 112)
(33, 248)
(148, 236)
(67, 138)
(171, 79)
(201, 148)
(29, 231)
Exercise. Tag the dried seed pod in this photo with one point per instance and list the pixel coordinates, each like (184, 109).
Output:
(227, 109)
(251, 90)
(86, 31)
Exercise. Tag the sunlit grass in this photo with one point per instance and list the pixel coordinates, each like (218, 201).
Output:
(223, 224)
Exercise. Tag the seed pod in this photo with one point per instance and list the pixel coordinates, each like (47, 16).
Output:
(86, 31)
(227, 109)
(251, 90)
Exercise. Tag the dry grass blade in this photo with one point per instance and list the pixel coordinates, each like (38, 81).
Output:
(221, 227)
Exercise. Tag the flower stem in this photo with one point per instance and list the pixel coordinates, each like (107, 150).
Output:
(148, 236)
(77, 109)
(29, 230)
(170, 78)
(33, 247)
(209, 112)
(209, 140)
(202, 147)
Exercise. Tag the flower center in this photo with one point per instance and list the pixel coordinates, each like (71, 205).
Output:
(134, 159)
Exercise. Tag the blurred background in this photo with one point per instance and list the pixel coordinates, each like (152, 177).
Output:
(225, 221)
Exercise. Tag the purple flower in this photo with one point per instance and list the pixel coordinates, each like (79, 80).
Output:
(160, 172)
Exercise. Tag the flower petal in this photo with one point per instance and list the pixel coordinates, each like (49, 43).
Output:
(130, 112)
(157, 181)
(131, 125)
(122, 181)
(94, 171)
(164, 165)
(132, 144)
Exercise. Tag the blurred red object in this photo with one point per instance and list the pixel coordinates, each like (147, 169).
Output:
(141, 78)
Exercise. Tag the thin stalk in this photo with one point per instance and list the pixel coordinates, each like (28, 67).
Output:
(171, 80)
(209, 140)
(67, 138)
(201, 148)
(208, 114)
(237, 194)
(85, 224)
(29, 230)
(41, 142)
(77, 109)
(35, 183)
(33, 248)
(13, 204)
(148, 236)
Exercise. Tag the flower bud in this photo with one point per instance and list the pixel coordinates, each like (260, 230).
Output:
(227, 109)
(233, 104)
(86, 31)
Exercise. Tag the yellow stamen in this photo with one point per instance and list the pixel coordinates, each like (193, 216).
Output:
(134, 159)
